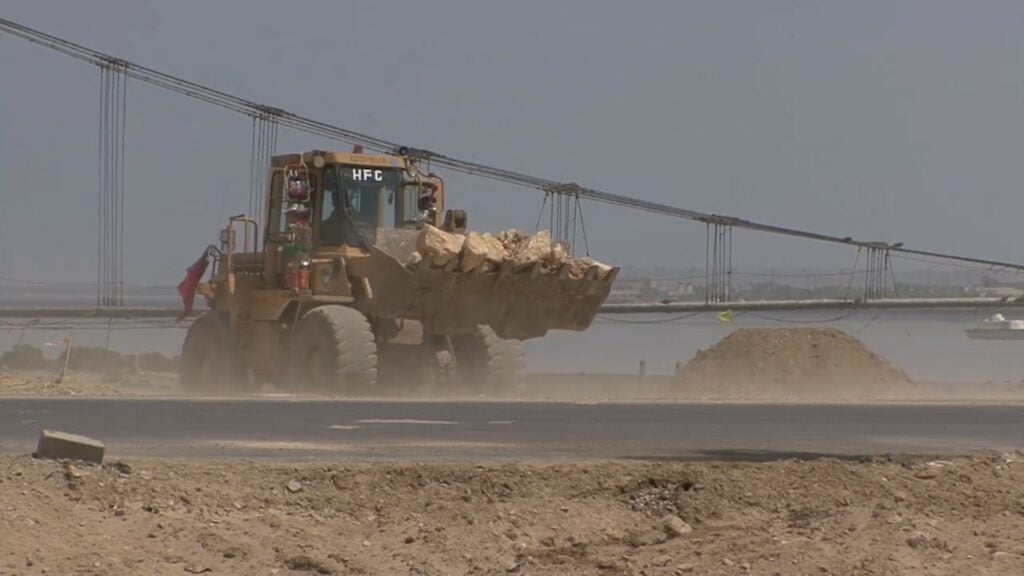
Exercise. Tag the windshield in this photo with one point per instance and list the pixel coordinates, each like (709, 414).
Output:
(356, 200)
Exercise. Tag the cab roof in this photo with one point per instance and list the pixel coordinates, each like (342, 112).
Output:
(332, 157)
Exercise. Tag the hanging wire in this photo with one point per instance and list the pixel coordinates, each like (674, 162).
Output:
(583, 228)
(260, 146)
(853, 274)
(115, 169)
(252, 166)
(707, 262)
(121, 182)
(99, 191)
(540, 215)
(892, 274)
(575, 218)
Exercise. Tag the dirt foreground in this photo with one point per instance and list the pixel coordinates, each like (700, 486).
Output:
(914, 517)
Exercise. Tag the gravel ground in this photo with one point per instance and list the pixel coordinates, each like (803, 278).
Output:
(912, 517)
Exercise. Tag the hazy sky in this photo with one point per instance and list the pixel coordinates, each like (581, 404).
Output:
(897, 121)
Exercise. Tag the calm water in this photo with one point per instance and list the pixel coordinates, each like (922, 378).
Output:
(929, 345)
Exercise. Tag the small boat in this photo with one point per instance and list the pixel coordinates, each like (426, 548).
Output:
(997, 327)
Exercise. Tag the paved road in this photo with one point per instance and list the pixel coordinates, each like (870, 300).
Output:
(480, 430)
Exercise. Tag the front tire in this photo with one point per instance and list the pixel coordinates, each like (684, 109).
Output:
(333, 351)
(209, 362)
(487, 364)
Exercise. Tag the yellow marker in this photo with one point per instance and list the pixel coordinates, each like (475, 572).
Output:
(725, 317)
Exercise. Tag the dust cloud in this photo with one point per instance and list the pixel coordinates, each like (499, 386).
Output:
(748, 365)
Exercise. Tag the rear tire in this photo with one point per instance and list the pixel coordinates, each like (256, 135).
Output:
(333, 352)
(209, 362)
(487, 364)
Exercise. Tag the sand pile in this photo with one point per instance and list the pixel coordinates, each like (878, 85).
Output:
(797, 363)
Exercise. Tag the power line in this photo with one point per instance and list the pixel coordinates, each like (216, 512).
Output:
(28, 282)
(800, 321)
(669, 320)
(329, 131)
(992, 269)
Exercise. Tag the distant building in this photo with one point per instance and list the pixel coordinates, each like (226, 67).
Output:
(632, 290)
(673, 288)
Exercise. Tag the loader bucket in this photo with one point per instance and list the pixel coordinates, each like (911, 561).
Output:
(516, 300)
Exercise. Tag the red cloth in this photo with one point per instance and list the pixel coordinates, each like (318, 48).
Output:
(187, 288)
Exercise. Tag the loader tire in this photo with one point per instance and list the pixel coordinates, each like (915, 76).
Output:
(209, 362)
(486, 364)
(333, 351)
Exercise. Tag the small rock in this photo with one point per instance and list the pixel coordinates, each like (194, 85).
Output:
(675, 526)
(918, 541)
(72, 472)
(999, 555)
(685, 568)
(900, 496)
(662, 560)
(649, 538)
(122, 468)
(303, 563)
(366, 543)
(548, 541)
(926, 474)
(294, 486)
(728, 562)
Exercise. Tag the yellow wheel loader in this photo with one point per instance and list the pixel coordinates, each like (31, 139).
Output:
(333, 294)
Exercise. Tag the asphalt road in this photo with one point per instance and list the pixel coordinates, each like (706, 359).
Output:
(295, 430)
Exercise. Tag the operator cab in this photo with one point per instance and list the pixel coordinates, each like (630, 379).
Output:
(351, 196)
(355, 201)
(325, 206)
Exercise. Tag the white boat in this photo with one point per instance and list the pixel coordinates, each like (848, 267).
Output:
(997, 327)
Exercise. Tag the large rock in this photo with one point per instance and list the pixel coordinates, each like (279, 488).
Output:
(511, 240)
(557, 256)
(62, 446)
(439, 247)
(578, 268)
(481, 250)
(675, 526)
(536, 248)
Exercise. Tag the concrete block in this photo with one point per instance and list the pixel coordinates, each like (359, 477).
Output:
(62, 446)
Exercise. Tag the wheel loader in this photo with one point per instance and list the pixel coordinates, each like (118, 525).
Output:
(332, 296)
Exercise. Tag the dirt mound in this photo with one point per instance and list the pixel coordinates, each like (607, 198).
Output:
(774, 363)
